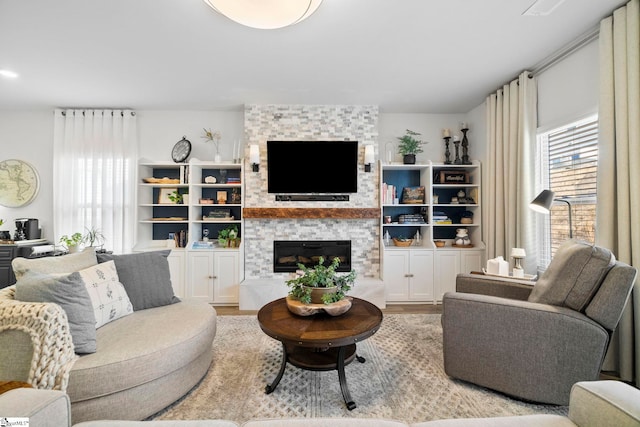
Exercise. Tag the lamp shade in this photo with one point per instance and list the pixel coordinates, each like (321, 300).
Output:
(368, 154)
(254, 154)
(518, 253)
(542, 202)
(265, 14)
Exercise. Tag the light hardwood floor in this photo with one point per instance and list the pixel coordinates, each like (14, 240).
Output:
(391, 309)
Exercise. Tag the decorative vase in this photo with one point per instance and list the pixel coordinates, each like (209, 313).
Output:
(316, 293)
(217, 158)
(72, 249)
(409, 159)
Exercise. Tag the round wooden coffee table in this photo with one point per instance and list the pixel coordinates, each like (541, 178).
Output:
(320, 342)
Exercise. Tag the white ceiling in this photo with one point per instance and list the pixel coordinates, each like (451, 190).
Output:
(407, 56)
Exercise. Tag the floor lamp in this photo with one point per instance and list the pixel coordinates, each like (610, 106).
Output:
(544, 200)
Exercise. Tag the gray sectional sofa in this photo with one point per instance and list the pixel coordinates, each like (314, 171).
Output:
(592, 404)
(143, 361)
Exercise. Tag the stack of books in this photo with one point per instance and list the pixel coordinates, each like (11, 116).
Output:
(389, 194)
(233, 180)
(411, 219)
(441, 218)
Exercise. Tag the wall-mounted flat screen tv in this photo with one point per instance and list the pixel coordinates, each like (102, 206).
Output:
(312, 166)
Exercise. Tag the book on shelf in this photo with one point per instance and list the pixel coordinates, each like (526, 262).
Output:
(442, 221)
(389, 193)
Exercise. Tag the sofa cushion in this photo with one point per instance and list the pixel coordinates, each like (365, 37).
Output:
(574, 275)
(143, 347)
(70, 293)
(65, 264)
(108, 296)
(145, 276)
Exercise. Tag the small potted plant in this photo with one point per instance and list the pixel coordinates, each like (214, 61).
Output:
(93, 237)
(228, 237)
(72, 242)
(320, 284)
(175, 197)
(409, 146)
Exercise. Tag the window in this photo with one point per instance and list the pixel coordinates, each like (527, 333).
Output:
(567, 164)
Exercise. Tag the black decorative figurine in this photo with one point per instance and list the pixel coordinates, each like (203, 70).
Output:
(456, 142)
(447, 153)
(465, 147)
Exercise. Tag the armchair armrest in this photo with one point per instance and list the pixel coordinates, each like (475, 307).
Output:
(37, 336)
(529, 350)
(47, 408)
(478, 283)
(604, 403)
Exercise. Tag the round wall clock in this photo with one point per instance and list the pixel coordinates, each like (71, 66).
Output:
(181, 150)
(19, 182)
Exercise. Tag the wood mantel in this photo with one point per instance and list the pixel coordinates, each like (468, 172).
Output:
(311, 213)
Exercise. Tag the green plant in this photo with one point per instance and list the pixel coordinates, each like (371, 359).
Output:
(409, 144)
(175, 197)
(93, 236)
(321, 276)
(1, 222)
(228, 236)
(74, 240)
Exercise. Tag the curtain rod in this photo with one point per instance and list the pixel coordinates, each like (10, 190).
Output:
(133, 113)
(564, 52)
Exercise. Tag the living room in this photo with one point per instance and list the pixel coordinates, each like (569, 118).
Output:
(566, 73)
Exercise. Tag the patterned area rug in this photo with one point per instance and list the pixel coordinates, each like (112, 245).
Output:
(403, 378)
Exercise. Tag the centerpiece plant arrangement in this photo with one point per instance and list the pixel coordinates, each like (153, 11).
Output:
(409, 146)
(228, 237)
(213, 137)
(334, 286)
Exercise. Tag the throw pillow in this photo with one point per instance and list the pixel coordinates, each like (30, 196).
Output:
(64, 264)
(69, 293)
(574, 275)
(108, 296)
(145, 276)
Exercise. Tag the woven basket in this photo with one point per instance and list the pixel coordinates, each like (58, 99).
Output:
(402, 242)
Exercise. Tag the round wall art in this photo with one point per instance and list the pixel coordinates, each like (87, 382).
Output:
(19, 183)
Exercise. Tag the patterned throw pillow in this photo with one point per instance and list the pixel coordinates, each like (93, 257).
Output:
(108, 296)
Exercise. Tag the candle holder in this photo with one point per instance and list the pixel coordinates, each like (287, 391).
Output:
(456, 143)
(465, 147)
(447, 153)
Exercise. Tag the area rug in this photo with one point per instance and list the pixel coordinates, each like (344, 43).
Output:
(403, 378)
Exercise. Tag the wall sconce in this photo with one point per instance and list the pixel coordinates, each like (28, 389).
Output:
(543, 201)
(368, 157)
(254, 157)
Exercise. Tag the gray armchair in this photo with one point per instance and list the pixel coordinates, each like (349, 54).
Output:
(538, 341)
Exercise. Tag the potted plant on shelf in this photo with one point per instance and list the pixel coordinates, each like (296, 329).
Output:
(410, 146)
(228, 237)
(72, 242)
(320, 284)
(175, 197)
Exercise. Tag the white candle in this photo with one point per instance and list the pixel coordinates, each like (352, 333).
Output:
(463, 125)
(446, 133)
(456, 138)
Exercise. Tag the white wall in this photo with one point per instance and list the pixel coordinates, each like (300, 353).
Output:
(28, 136)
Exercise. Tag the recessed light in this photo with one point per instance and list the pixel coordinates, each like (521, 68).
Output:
(8, 74)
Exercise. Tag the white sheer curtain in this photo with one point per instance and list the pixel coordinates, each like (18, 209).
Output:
(94, 172)
(510, 173)
(618, 208)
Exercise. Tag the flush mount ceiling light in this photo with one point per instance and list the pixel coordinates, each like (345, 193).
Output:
(265, 14)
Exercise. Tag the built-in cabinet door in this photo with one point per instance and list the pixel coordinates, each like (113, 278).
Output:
(201, 275)
(177, 269)
(471, 261)
(396, 269)
(447, 268)
(225, 280)
(421, 276)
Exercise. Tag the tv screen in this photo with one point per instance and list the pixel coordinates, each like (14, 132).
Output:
(312, 166)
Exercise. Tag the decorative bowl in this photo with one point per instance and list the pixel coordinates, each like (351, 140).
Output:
(439, 243)
(404, 242)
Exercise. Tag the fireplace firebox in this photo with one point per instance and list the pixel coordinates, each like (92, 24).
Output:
(287, 254)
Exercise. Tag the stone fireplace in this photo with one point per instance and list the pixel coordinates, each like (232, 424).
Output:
(267, 220)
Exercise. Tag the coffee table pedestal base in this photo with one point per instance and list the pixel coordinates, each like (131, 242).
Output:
(324, 359)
